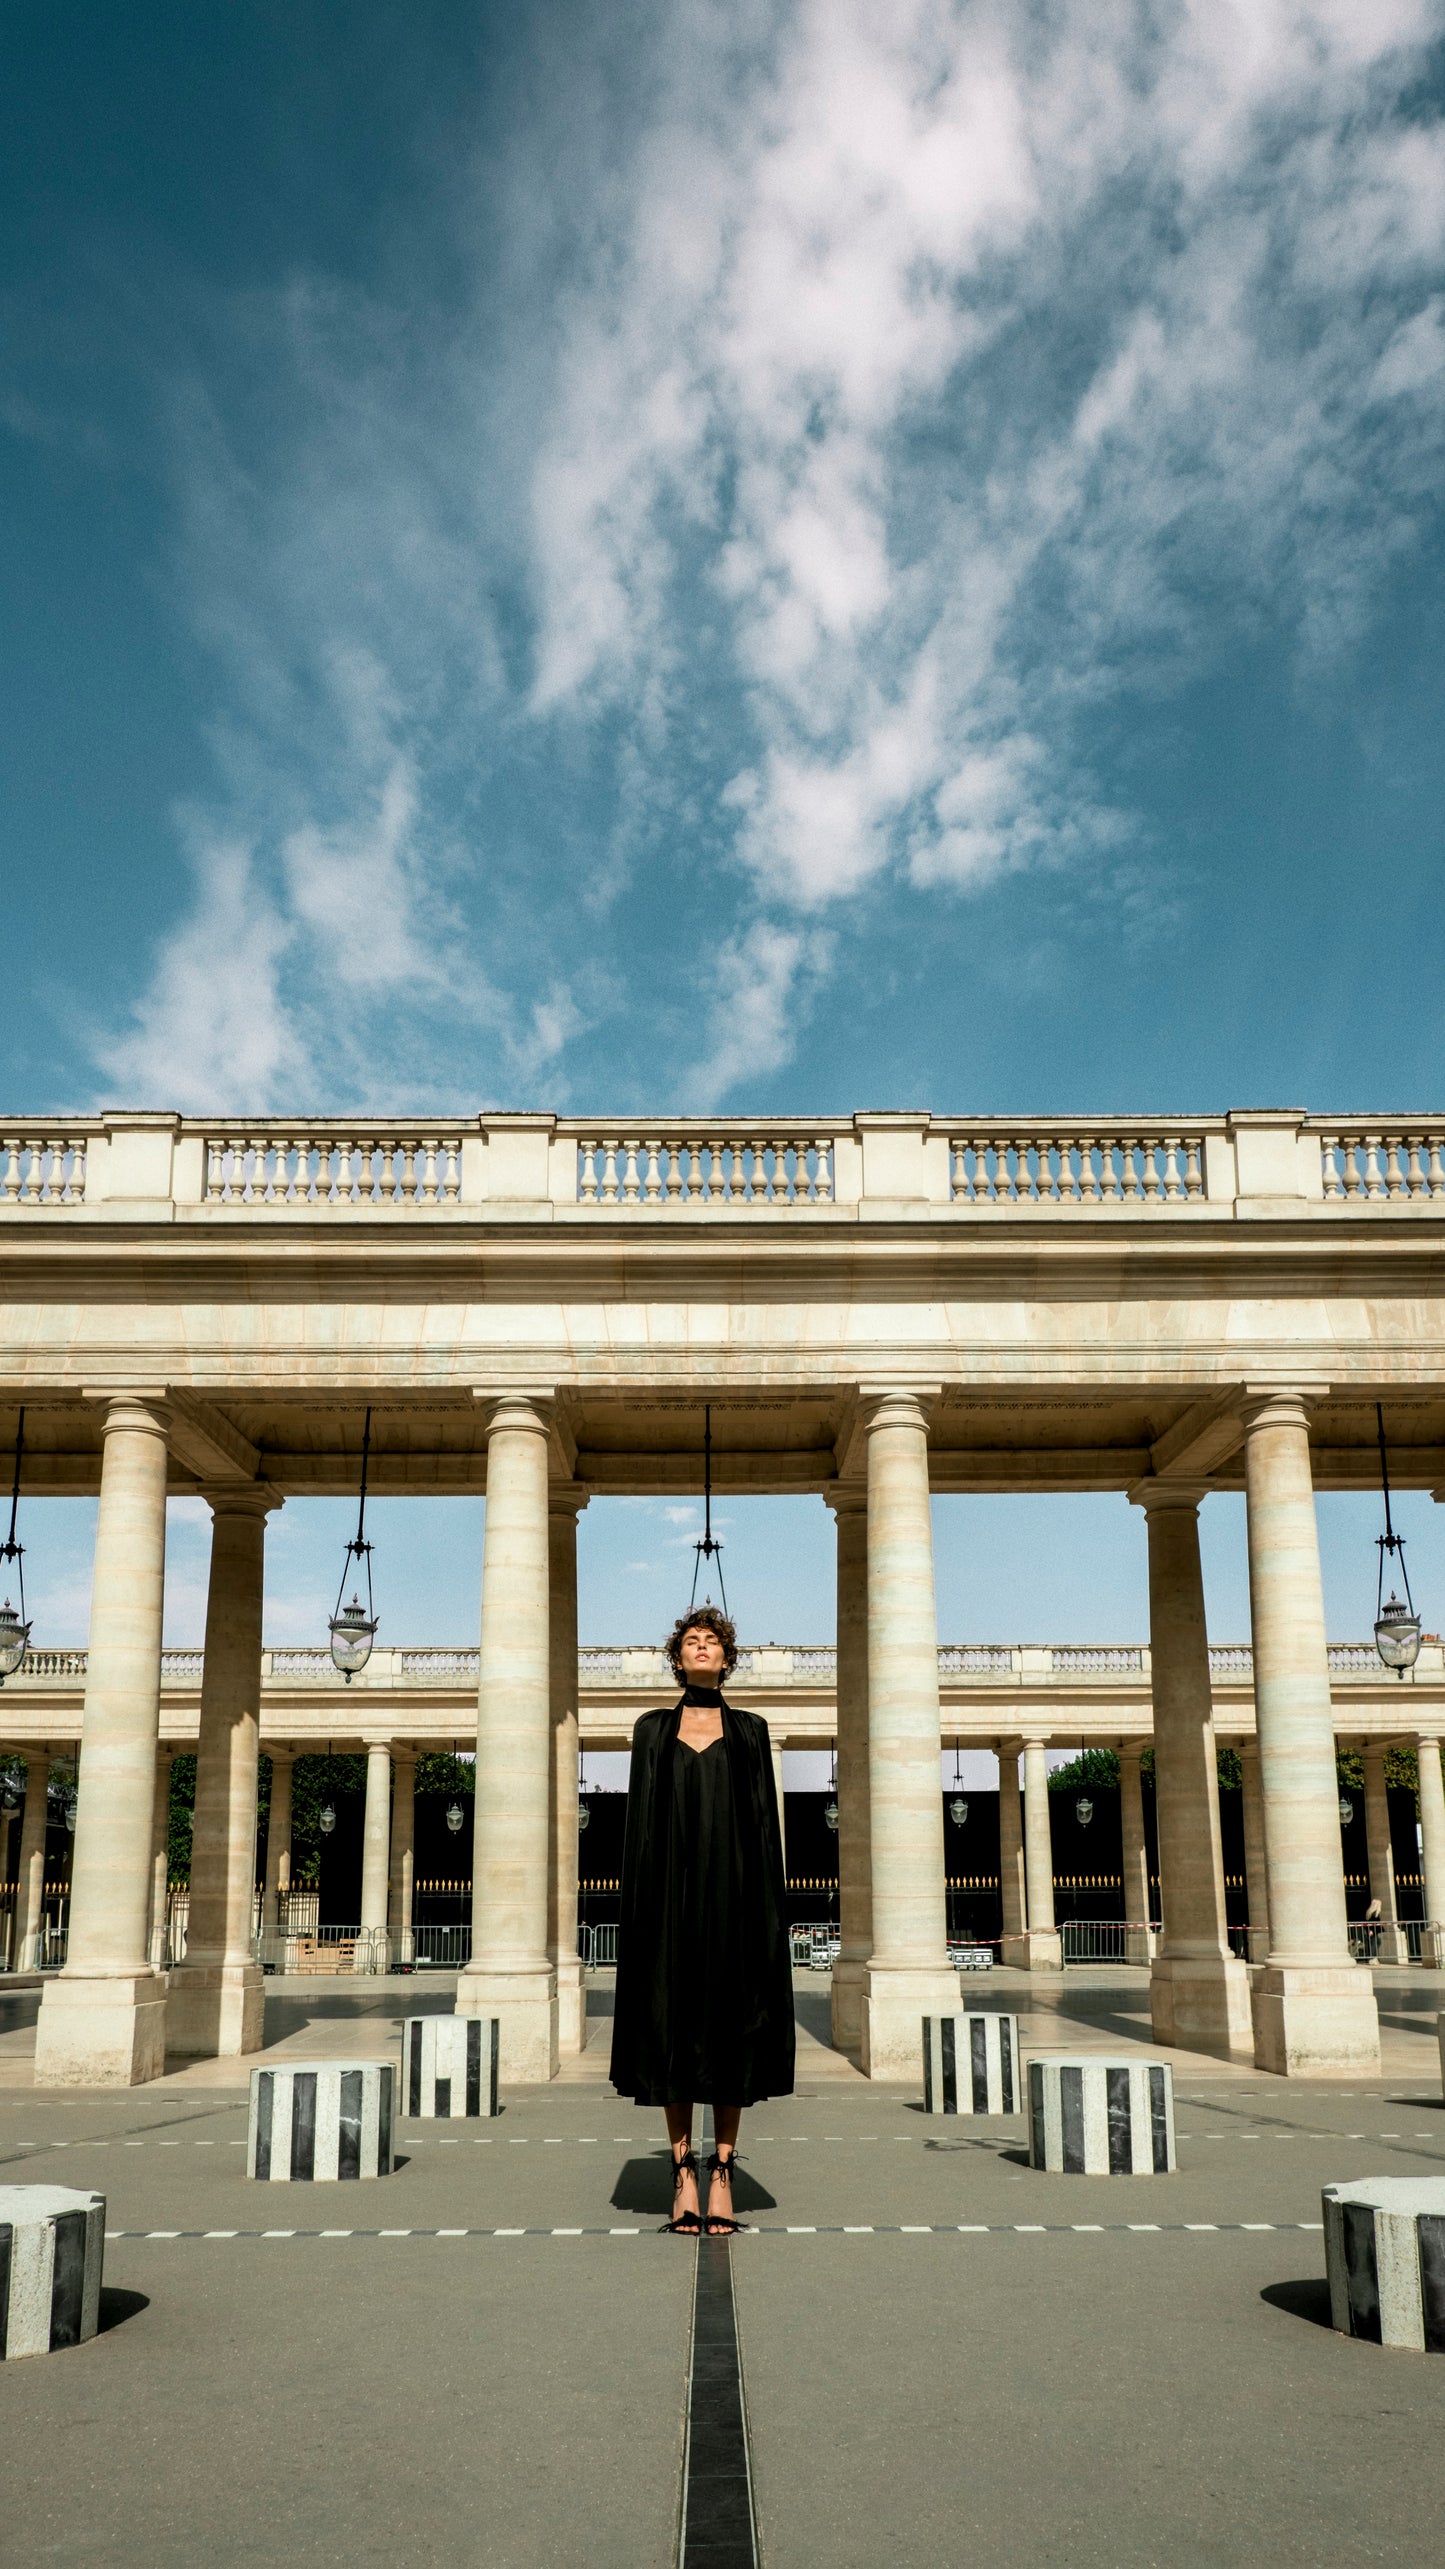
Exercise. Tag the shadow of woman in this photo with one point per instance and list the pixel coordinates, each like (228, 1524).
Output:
(645, 2185)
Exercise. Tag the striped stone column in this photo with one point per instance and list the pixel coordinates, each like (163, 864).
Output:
(1314, 2011)
(510, 1974)
(849, 1503)
(217, 2001)
(103, 2018)
(909, 1975)
(1198, 1993)
(565, 1502)
(1432, 1842)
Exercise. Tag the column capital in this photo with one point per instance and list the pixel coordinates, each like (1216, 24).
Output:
(1161, 1495)
(280, 1752)
(847, 1498)
(1280, 1404)
(528, 1409)
(567, 1498)
(145, 1410)
(898, 1404)
(240, 1498)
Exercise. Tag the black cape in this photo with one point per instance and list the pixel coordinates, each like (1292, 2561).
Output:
(653, 1982)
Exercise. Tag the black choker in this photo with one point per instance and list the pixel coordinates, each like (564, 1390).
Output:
(710, 1696)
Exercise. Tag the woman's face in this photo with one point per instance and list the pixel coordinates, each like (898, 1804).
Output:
(702, 1655)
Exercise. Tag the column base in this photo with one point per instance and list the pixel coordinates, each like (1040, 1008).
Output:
(525, 2006)
(895, 2003)
(1201, 2003)
(1432, 1948)
(847, 2007)
(216, 2010)
(1037, 1949)
(100, 2032)
(571, 2007)
(1314, 2020)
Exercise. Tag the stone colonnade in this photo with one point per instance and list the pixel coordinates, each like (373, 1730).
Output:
(108, 2016)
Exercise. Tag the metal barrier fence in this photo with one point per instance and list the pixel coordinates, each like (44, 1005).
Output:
(359, 1950)
(815, 1946)
(598, 1946)
(442, 1948)
(1107, 1940)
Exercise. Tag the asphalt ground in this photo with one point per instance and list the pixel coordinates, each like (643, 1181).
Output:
(945, 2359)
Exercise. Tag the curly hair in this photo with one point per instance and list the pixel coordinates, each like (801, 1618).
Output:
(704, 1619)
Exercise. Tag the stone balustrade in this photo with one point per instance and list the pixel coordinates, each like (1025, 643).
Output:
(1235, 1166)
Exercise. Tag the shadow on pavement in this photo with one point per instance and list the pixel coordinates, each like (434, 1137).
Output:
(645, 2185)
(117, 2306)
(1307, 2299)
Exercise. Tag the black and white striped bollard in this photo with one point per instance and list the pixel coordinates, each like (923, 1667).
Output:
(1385, 2258)
(52, 2250)
(1103, 2118)
(971, 2064)
(318, 2121)
(449, 2066)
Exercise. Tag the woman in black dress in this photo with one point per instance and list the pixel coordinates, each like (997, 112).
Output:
(704, 2009)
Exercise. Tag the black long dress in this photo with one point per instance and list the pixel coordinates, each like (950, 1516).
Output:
(704, 2007)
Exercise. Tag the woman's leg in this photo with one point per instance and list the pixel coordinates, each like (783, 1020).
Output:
(679, 2134)
(726, 2119)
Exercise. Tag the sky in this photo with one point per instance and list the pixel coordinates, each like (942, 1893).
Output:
(757, 555)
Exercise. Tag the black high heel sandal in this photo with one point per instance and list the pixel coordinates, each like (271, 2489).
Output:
(685, 2225)
(720, 2225)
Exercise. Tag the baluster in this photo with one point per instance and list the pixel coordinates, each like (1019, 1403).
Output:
(674, 1173)
(959, 1154)
(11, 1148)
(1329, 1171)
(429, 1173)
(406, 1153)
(340, 1175)
(1193, 1178)
(1415, 1177)
(215, 1173)
(609, 1172)
(989, 1157)
(716, 1188)
(1068, 1190)
(1394, 1177)
(1108, 1171)
(631, 1188)
(652, 1186)
(1373, 1186)
(1437, 1173)
(452, 1184)
(1128, 1172)
(77, 1173)
(737, 1177)
(1050, 1152)
(1149, 1154)
(587, 1168)
(1026, 1178)
(692, 1154)
(823, 1181)
(258, 1174)
(34, 1170)
(1173, 1191)
(1088, 1180)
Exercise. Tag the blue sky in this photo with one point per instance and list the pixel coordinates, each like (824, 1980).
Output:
(759, 554)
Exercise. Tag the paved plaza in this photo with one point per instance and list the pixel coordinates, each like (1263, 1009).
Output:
(947, 2356)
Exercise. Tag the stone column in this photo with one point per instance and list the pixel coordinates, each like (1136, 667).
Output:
(278, 1837)
(849, 1503)
(161, 1859)
(1432, 1849)
(1139, 1946)
(1198, 1993)
(217, 2001)
(403, 1855)
(1392, 1947)
(1256, 1871)
(510, 1975)
(565, 1502)
(1314, 2011)
(1012, 1880)
(1042, 1945)
(782, 1813)
(376, 1853)
(103, 2018)
(30, 1883)
(909, 1974)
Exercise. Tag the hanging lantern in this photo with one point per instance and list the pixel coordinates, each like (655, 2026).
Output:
(830, 1814)
(9, 1793)
(958, 1812)
(1083, 1810)
(455, 1817)
(1397, 1626)
(1347, 1810)
(354, 1630)
(14, 1630)
(584, 1816)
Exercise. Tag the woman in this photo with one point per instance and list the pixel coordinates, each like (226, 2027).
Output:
(704, 2008)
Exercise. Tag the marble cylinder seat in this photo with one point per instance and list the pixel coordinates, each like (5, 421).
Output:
(449, 2066)
(1096, 2117)
(971, 2064)
(319, 2121)
(52, 2250)
(1385, 2257)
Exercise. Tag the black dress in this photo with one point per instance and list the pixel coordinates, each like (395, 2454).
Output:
(704, 2007)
